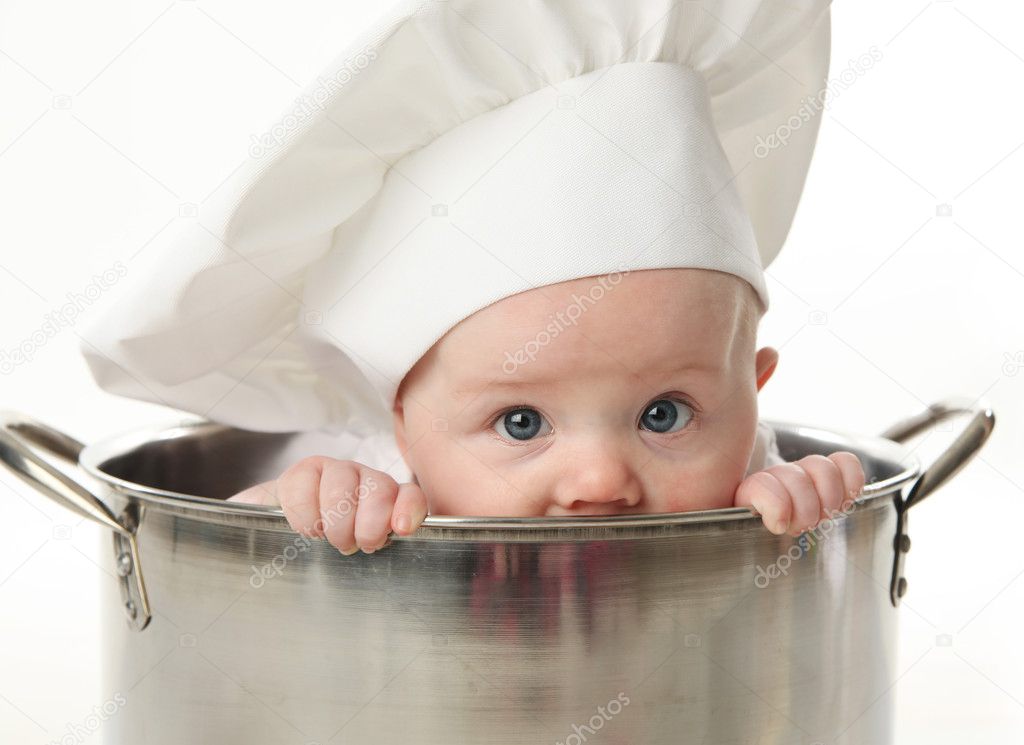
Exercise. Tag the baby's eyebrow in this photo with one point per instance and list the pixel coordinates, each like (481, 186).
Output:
(481, 386)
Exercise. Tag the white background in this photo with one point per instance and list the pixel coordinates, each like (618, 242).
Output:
(117, 114)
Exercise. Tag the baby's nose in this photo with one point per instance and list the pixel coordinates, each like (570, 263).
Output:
(600, 486)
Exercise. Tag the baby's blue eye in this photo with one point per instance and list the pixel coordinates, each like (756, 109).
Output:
(521, 424)
(661, 416)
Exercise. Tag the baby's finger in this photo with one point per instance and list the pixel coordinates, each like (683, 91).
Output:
(373, 516)
(766, 494)
(339, 495)
(802, 494)
(410, 509)
(828, 482)
(853, 475)
(299, 490)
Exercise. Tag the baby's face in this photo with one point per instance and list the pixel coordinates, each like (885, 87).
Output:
(604, 395)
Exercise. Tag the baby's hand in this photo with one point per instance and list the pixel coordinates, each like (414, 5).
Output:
(794, 497)
(351, 505)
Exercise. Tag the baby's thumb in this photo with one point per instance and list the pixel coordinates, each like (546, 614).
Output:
(746, 492)
(762, 493)
(410, 509)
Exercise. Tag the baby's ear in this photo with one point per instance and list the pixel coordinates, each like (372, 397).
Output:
(765, 362)
(398, 422)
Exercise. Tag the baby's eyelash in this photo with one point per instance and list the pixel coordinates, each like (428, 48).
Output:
(490, 429)
(507, 410)
(679, 398)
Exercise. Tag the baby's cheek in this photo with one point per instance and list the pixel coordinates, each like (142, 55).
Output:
(453, 486)
(691, 503)
(475, 489)
(698, 488)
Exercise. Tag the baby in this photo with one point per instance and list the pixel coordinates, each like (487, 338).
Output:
(647, 403)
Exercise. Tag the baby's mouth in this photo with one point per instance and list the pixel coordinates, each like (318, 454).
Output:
(592, 510)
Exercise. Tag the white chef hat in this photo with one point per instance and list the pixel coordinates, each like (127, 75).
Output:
(458, 153)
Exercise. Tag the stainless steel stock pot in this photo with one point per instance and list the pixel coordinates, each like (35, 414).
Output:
(221, 625)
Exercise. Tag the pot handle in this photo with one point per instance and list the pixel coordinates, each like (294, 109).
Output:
(948, 464)
(30, 450)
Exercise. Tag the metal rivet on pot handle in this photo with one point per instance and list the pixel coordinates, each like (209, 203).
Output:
(955, 457)
(27, 448)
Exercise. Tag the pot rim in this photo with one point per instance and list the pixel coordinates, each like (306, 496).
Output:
(264, 517)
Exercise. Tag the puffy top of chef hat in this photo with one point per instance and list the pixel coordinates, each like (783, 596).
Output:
(458, 153)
